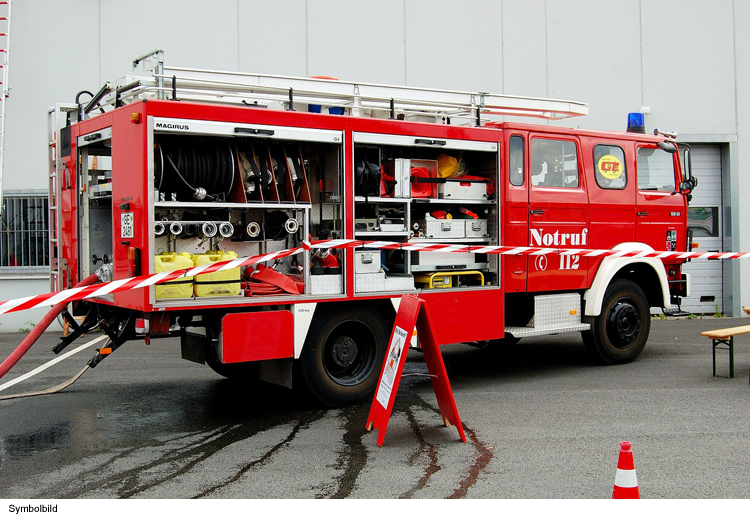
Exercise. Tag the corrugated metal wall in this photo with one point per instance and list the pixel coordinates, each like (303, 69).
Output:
(704, 218)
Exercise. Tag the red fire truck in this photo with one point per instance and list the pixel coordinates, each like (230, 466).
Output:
(169, 168)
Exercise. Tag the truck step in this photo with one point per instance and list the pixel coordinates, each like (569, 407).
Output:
(674, 312)
(521, 332)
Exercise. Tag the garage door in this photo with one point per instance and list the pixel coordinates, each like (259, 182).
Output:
(704, 218)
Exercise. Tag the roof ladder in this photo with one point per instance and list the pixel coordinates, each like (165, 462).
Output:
(152, 79)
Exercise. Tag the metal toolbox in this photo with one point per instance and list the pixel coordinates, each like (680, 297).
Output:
(457, 188)
(367, 261)
(369, 282)
(434, 228)
(399, 282)
(326, 284)
(435, 261)
(476, 228)
(392, 224)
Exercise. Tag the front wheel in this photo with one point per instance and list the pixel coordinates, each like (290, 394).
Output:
(343, 354)
(618, 335)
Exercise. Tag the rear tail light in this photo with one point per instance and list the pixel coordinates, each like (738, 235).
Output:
(141, 326)
(134, 262)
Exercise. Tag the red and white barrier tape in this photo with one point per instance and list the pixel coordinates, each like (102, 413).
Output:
(127, 284)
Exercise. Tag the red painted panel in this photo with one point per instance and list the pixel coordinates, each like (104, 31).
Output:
(466, 316)
(612, 211)
(558, 218)
(257, 336)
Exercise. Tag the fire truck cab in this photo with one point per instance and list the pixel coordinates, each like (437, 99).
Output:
(170, 168)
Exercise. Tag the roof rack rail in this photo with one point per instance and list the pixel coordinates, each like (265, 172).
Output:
(151, 79)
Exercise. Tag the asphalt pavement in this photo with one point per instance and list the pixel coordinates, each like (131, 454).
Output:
(540, 420)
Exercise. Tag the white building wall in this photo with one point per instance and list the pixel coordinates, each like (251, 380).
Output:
(741, 162)
(688, 61)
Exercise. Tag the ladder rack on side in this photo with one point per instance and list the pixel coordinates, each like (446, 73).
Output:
(5, 8)
(57, 119)
(151, 79)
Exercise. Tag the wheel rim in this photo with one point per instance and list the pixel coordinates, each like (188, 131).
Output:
(623, 323)
(349, 353)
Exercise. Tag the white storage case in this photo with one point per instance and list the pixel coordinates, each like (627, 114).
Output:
(434, 261)
(326, 284)
(393, 225)
(367, 262)
(369, 282)
(399, 283)
(434, 228)
(462, 189)
(476, 228)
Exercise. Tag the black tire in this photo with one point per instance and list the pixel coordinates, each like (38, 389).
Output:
(618, 335)
(344, 353)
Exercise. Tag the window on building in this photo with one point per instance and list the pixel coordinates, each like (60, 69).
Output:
(655, 170)
(24, 231)
(554, 163)
(704, 221)
(609, 167)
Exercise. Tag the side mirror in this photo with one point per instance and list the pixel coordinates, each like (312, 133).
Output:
(690, 181)
(668, 147)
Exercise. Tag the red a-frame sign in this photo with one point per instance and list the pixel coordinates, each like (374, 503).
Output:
(411, 312)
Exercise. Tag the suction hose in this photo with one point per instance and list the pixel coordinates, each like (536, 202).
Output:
(35, 333)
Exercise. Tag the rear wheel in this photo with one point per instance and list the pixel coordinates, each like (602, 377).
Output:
(620, 332)
(344, 351)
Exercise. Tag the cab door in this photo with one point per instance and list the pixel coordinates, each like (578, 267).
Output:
(515, 209)
(660, 217)
(558, 213)
(611, 185)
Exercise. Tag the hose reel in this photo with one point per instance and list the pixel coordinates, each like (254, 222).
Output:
(194, 169)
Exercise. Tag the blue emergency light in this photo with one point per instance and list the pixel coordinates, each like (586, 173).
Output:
(636, 123)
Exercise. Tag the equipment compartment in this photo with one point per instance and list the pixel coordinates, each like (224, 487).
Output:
(217, 198)
(466, 212)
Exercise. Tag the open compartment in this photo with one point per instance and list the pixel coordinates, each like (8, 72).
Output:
(285, 188)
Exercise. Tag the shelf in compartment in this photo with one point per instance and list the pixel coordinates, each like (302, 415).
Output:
(228, 205)
(102, 190)
(432, 268)
(457, 241)
(442, 201)
(424, 201)
(237, 300)
(371, 234)
(374, 199)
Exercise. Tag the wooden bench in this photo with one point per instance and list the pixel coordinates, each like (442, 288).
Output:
(725, 337)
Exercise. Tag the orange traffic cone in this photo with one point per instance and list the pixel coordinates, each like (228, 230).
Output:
(626, 483)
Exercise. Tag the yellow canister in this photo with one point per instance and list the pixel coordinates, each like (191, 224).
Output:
(180, 287)
(220, 283)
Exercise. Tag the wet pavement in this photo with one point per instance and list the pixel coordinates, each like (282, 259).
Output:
(540, 421)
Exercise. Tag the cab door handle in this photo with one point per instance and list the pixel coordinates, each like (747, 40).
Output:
(537, 212)
(641, 213)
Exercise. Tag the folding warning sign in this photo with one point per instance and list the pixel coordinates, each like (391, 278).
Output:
(412, 312)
